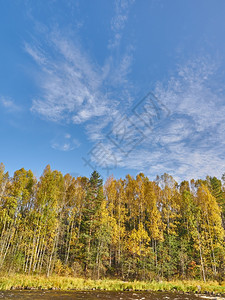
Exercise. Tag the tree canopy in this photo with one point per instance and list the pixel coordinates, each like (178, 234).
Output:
(130, 228)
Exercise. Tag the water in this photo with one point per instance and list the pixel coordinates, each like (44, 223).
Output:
(96, 295)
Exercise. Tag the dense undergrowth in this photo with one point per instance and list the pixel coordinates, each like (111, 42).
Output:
(70, 283)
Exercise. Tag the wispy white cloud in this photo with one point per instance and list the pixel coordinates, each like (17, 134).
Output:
(122, 8)
(189, 142)
(70, 84)
(73, 86)
(65, 142)
(9, 104)
(192, 140)
(36, 53)
(74, 89)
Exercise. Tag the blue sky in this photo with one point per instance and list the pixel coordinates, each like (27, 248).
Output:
(73, 81)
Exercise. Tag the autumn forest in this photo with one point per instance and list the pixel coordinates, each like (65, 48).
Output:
(130, 228)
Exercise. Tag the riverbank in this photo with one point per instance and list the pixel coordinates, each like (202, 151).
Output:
(13, 282)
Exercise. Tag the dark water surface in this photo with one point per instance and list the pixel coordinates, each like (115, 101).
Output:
(95, 295)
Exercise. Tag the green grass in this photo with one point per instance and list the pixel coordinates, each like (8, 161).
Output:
(69, 283)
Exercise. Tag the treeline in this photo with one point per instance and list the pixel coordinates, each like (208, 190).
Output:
(130, 228)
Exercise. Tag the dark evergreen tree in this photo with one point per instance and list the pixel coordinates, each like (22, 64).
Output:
(92, 205)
